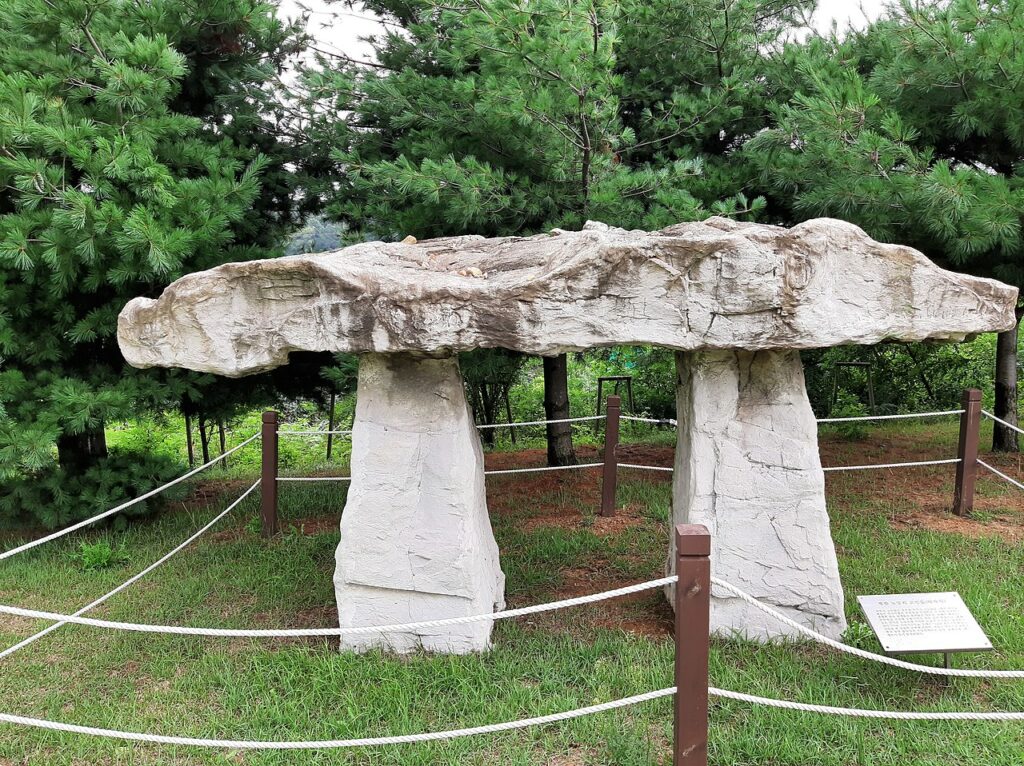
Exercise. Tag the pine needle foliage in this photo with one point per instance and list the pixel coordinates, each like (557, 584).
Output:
(500, 117)
(913, 129)
(134, 148)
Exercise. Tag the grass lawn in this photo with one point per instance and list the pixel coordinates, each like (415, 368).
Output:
(891, 530)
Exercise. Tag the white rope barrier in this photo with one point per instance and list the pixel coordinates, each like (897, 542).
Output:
(861, 713)
(891, 465)
(1001, 475)
(127, 504)
(496, 472)
(545, 468)
(654, 421)
(65, 619)
(956, 672)
(183, 630)
(645, 467)
(1011, 426)
(234, 744)
(892, 417)
(314, 478)
(638, 467)
(314, 432)
(541, 422)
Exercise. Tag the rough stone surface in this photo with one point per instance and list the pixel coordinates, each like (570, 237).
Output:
(747, 467)
(416, 541)
(716, 284)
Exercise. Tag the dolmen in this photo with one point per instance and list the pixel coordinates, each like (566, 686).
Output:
(736, 301)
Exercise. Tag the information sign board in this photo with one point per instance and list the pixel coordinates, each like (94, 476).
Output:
(923, 622)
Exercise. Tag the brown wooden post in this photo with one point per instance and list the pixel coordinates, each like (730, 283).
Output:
(967, 451)
(268, 477)
(330, 427)
(610, 478)
(693, 627)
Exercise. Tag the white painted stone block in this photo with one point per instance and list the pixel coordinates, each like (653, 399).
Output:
(416, 540)
(747, 467)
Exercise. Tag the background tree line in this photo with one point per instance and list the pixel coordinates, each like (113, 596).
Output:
(141, 141)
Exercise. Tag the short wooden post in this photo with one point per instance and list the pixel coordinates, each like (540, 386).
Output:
(610, 477)
(967, 451)
(693, 627)
(330, 427)
(268, 476)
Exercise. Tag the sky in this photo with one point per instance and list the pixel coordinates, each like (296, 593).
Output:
(338, 28)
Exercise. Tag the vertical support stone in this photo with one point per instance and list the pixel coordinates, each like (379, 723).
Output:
(693, 613)
(610, 475)
(967, 451)
(268, 475)
(416, 541)
(747, 467)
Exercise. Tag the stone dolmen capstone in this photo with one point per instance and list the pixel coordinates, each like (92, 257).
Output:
(736, 301)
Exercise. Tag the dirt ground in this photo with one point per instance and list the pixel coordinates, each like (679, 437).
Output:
(922, 497)
(919, 497)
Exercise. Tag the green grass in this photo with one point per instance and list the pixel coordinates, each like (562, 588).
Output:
(305, 689)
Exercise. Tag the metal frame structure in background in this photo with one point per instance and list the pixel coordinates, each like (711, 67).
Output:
(871, 383)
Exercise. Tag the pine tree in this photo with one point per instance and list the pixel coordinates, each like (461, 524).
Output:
(502, 117)
(914, 129)
(133, 149)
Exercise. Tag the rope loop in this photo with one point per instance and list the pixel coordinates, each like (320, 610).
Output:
(892, 417)
(184, 630)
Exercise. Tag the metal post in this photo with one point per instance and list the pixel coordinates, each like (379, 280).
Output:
(693, 627)
(967, 451)
(268, 477)
(610, 478)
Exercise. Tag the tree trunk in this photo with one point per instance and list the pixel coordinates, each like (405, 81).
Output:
(78, 452)
(556, 407)
(204, 439)
(490, 415)
(189, 443)
(1005, 439)
(223, 442)
(508, 415)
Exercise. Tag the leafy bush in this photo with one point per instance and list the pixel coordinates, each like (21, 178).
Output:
(53, 497)
(907, 377)
(100, 555)
(848, 407)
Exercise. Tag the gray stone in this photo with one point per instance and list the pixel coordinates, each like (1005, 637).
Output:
(712, 285)
(416, 541)
(747, 467)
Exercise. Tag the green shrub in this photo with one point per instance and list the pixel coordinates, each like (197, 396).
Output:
(907, 377)
(54, 497)
(849, 407)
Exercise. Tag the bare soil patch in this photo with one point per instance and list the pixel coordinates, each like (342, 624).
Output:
(922, 497)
